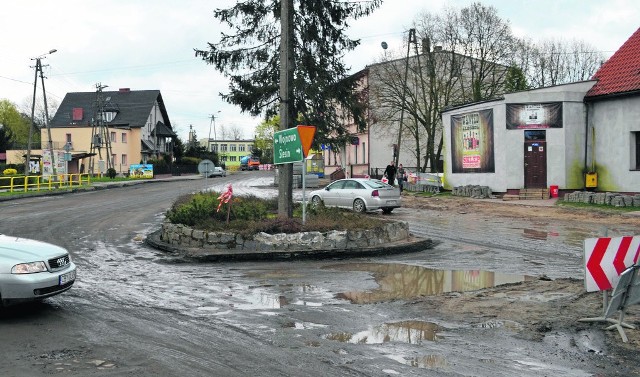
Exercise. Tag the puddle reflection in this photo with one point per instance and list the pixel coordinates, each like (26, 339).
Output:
(399, 281)
(427, 362)
(411, 332)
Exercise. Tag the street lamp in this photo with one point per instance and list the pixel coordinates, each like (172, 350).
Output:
(46, 113)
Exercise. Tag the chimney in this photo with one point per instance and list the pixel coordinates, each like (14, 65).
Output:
(426, 45)
(124, 90)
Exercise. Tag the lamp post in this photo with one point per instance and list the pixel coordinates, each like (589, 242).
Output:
(38, 67)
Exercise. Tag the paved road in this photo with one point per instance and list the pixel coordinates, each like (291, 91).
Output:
(137, 311)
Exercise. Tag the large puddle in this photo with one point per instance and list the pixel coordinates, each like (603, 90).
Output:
(399, 281)
(411, 332)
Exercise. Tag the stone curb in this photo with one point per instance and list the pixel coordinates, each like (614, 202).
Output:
(411, 244)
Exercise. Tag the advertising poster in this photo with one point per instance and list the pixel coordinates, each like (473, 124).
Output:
(141, 171)
(472, 142)
(534, 115)
(58, 161)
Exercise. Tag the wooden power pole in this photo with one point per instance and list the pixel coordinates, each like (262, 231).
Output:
(285, 171)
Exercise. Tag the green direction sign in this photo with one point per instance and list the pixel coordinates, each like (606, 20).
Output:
(287, 147)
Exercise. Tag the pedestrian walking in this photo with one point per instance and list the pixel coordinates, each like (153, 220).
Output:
(402, 177)
(390, 173)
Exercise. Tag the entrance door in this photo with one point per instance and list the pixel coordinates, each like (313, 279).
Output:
(535, 159)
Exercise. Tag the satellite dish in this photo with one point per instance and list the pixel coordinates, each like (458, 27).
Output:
(205, 167)
(384, 45)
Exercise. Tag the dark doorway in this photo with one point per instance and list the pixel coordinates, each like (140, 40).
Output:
(535, 159)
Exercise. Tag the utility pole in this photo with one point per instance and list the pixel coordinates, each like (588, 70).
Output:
(100, 132)
(213, 121)
(285, 171)
(46, 113)
(412, 39)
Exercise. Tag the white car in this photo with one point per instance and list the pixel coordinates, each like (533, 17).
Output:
(31, 270)
(359, 194)
(217, 172)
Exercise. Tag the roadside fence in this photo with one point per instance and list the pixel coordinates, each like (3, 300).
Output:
(21, 183)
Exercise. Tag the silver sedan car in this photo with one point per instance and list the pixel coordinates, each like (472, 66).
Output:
(359, 194)
(217, 172)
(32, 270)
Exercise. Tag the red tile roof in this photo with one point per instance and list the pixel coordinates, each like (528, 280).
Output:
(621, 73)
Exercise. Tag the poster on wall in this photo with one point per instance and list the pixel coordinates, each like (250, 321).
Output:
(534, 115)
(472, 142)
(58, 162)
(141, 171)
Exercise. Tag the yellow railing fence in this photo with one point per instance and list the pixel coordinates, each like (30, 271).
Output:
(20, 183)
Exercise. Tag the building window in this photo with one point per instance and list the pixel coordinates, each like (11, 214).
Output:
(636, 136)
(113, 159)
(223, 147)
(233, 147)
(113, 137)
(124, 137)
(214, 148)
(123, 159)
(356, 153)
(364, 153)
(232, 158)
(68, 138)
(241, 148)
(76, 113)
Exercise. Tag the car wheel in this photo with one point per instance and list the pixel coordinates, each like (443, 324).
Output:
(316, 201)
(387, 211)
(359, 206)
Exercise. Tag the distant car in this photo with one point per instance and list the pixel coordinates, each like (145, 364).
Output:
(32, 270)
(217, 172)
(359, 194)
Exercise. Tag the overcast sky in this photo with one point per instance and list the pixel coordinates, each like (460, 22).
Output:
(148, 44)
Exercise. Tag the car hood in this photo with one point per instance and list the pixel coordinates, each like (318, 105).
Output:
(16, 250)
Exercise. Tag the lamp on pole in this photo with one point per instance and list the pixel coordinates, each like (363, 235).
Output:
(38, 67)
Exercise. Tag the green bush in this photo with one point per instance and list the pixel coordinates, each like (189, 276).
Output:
(9, 171)
(111, 173)
(190, 160)
(251, 215)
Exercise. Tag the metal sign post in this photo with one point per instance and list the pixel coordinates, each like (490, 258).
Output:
(206, 167)
(626, 292)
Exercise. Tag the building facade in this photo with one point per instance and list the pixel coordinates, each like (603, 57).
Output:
(107, 129)
(229, 151)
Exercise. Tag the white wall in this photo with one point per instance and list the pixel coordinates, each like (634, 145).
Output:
(565, 146)
(614, 121)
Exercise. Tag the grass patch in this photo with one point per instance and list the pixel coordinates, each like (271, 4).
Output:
(250, 215)
(599, 207)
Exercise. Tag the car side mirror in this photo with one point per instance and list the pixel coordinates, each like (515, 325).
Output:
(326, 188)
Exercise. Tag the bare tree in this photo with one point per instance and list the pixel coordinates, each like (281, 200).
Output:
(235, 132)
(558, 61)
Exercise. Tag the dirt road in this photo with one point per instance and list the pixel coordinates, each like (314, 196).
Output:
(542, 310)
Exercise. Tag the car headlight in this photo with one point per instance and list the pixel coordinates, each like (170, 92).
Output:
(28, 268)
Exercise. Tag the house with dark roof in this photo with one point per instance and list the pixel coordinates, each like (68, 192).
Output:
(577, 136)
(108, 128)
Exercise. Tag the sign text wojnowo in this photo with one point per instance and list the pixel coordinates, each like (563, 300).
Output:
(286, 146)
(292, 144)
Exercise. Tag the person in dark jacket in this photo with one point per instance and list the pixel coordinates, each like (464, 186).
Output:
(390, 173)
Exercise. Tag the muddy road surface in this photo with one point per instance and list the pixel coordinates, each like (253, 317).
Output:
(499, 295)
